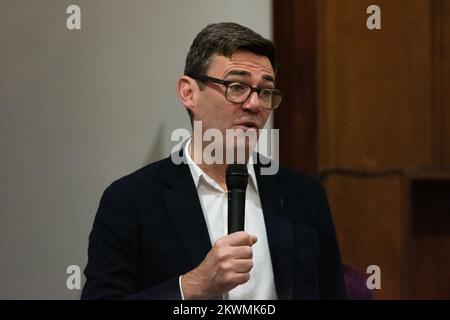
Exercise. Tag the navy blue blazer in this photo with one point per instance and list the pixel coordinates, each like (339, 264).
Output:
(149, 229)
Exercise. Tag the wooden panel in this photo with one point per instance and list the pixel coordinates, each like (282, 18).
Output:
(430, 276)
(430, 233)
(294, 34)
(445, 40)
(374, 87)
(441, 84)
(372, 228)
(372, 101)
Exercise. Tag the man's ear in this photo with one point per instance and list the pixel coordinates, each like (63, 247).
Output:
(187, 90)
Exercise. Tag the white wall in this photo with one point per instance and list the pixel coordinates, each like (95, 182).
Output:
(80, 109)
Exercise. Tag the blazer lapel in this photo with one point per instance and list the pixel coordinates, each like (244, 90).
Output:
(182, 204)
(279, 233)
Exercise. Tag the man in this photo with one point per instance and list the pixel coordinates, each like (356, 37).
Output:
(161, 232)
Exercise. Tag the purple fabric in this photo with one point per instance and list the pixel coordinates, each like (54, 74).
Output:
(356, 286)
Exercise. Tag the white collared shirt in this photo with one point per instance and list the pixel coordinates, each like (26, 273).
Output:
(214, 202)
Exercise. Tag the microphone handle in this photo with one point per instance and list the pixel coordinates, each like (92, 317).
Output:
(236, 210)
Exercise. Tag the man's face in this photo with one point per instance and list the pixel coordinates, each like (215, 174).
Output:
(215, 111)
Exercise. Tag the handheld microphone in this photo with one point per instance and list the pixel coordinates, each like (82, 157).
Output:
(236, 179)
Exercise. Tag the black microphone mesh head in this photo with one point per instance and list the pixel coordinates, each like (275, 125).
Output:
(237, 176)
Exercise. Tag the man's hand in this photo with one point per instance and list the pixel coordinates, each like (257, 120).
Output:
(226, 266)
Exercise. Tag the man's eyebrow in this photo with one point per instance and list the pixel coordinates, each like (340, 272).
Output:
(242, 73)
(247, 74)
(268, 78)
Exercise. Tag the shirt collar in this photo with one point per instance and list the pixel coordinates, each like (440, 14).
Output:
(199, 175)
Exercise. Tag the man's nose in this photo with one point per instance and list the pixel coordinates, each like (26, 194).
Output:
(253, 103)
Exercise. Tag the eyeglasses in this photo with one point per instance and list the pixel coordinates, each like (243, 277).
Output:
(239, 92)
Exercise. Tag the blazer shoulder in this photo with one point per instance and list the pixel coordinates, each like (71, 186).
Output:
(146, 178)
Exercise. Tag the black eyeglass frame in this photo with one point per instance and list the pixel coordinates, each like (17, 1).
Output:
(204, 78)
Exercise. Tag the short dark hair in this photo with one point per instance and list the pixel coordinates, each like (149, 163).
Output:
(225, 39)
